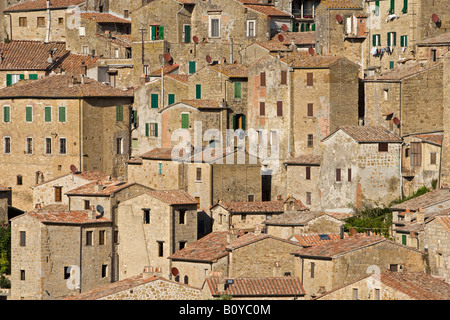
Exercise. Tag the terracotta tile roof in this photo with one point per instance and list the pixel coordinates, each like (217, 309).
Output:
(369, 134)
(123, 40)
(102, 17)
(294, 218)
(418, 285)
(234, 70)
(341, 4)
(173, 197)
(158, 154)
(252, 237)
(425, 200)
(440, 39)
(71, 217)
(403, 71)
(276, 206)
(202, 104)
(87, 175)
(56, 86)
(4, 188)
(167, 70)
(299, 38)
(180, 77)
(273, 45)
(30, 55)
(100, 188)
(444, 221)
(210, 248)
(305, 160)
(304, 60)
(268, 10)
(258, 287)
(311, 239)
(73, 62)
(42, 5)
(430, 138)
(332, 249)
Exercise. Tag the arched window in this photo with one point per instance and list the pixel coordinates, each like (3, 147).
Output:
(186, 280)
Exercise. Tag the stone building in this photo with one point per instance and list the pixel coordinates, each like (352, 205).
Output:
(250, 215)
(152, 226)
(360, 164)
(433, 48)
(32, 20)
(52, 123)
(324, 267)
(437, 233)
(391, 286)
(5, 202)
(55, 254)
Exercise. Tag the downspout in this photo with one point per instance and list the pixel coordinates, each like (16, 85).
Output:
(401, 166)
(81, 254)
(290, 111)
(178, 30)
(79, 135)
(329, 44)
(47, 34)
(10, 25)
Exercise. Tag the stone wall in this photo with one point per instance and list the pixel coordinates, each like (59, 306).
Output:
(298, 186)
(437, 240)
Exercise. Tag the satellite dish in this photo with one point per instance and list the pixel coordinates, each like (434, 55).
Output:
(435, 18)
(284, 27)
(311, 51)
(208, 59)
(174, 271)
(167, 56)
(396, 121)
(195, 39)
(280, 38)
(73, 169)
(100, 209)
(339, 18)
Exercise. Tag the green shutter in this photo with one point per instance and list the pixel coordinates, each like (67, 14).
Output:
(159, 168)
(404, 239)
(313, 27)
(394, 36)
(135, 117)
(187, 34)
(185, 120)
(62, 114)
(48, 114)
(302, 27)
(294, 26)
(21, 76)
(391, 64)
(153, 30)
(119, 113)
(156, 130)
(392, 7)
(377, 8)
(6, 114)
(388, 39)
(198, 91)
(32, 76)
(161, 32)
(171, 98)
(29, 114)
(147, 129)
(237, 90)
(243, 122)
(374, 40)
(405, 6)
(191, 67)
(234, 118)
(8, 79)
(154, 100)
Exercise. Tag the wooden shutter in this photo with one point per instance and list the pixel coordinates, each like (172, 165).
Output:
(147, 129)
(171, 98)
(62, 114)
(388, 39)
(153, 30)
(308, 173)
(405, 6)
(262, 79)
(392, 7)
(119, 113)
(191, 67)
(310, 109)
(283, 77)
(29, 114)
(262, 108)
(6, 114)
(198, 91)
(309, 79)
(48, 114)
(156, 129)
(32, 76)
(161, 32)
(349, 174)
(21, 76)
(242, 122)
(237, 90)
(187, 34)
(279, 108)
(234, 121)
(154, 100)
(58, 194)
(8, 79)
(185, 120)
(338, 174)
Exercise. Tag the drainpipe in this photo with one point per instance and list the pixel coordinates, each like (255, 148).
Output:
(47, 34)
(10, 25)
(81, 253)
(178, 30)
(290, 107)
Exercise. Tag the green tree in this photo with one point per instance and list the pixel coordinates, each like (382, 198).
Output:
(377, 219)
(5, 249)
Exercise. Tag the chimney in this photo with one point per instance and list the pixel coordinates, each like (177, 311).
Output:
(83, 68)
(352, 232)
(232, 235)
(407, 215)
(92, 214)
(147, 273)
(420, 216)
(341, 232)
(276, 269)
(258, 229)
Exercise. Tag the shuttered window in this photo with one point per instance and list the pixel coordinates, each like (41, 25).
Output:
(62, 114)
(416, 154)
(171, 98)
(157, 32)
(147, 129)
(28, 114)
(403, 41)
(32, 76)
(405, 6)
(119, 113)
(310, 110)
(154, 100)
(279, 108)
(338, 175)
(376, 40)
(198, 91)
(391, 38)
(309, 79)
(308, 173)
(392, 7)
(262, 79)
(185, 120)
(283, 77)
(6, 114)
(48, 114)
(237, 90)
(191, 67)
(187, 34)
(262, 108)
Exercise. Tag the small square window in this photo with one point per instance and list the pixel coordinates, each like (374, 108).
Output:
(104, 270)
(383, 147)
(146, 217)
(89, 235)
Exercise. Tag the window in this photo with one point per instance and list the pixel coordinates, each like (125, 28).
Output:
(310, 110)
(376, 40)
(22, 240)
(251, 24)
(87, 205)
(185, 120)
(391, 39)
(310, 142)
(29, 114)
(383, 147)
(308, 198)
(214, 27)
(29, 146)
(13, 78)
(7, 145)
(22, 21)
(416, 154)
(392, 7)
(170, 98)
(308, 173)
(191, 67)
(58, 194)
(262, 108)
(377, 294)
(119, 113)
(309, 79)
(104, 270)
(62, 146)
(403, 41)
(197, 199)
(116, 53)
(6, 114)
(198, 91)
(187, 33)
(243, 217)
(62, 114)
(101, 237)
(89, 235)
(22, 275)
(237, 90)
(160, 248)
(269, 216)
(82, 33)
(48, 114)
(377, 8)
(405, 6)
(67, 273)
(40, 21)
(48, 145)
(391, 64)
(251, 198)
(338, 175)
(186, 280)
(355, 294)
(119, 146)
(151, 130)
(154, 99)
(60, 21)
(279, 108)
(157, 32)
(433, 55)
(146, 69)
(349, 175)
(160, 168)
(312, 269)
(283, 77)
(19, 180)
(199, 174)
(262, 79)
(433, 157)
(182, 217)
(146, 216)
(181, 246)
(393, 267)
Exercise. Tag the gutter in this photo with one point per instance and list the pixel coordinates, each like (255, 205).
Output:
(178, 30)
